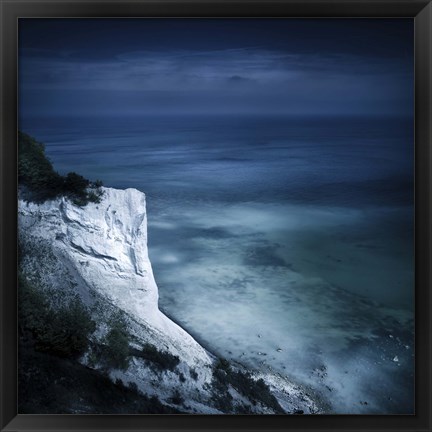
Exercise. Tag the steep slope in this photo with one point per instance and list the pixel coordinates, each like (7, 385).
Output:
(106, 244)
(100, 253)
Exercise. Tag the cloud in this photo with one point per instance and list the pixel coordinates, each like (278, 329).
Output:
(236, 79)
(192, 70)
(228, 80)
(152, 71)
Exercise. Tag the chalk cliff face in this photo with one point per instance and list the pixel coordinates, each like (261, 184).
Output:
(106, 244)
(100, 253)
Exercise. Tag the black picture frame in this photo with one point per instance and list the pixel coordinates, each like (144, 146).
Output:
(11, 10)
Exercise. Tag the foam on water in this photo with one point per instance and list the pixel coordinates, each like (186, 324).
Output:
(283, 243)
(275, 302)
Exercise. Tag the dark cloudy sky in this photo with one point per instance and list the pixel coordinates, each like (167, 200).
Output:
(215, 66)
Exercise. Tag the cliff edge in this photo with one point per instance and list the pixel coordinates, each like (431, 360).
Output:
(106, 244)
(99, 252)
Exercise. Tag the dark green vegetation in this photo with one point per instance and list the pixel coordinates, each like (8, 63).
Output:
(118, 344)
(193, 373)
(176, 398)
(51, 380)
(39, 181)
(56, 330)
(52, 385)
(54, 336)
(159, 360)
(113, 352)
(63, 331)
(257, 391)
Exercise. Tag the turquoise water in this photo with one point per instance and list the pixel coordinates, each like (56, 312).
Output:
(282, 243)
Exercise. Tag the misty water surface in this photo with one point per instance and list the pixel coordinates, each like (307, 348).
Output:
(283, 243)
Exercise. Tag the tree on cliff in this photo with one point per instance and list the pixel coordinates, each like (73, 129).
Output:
(41, 182)
(118, 344)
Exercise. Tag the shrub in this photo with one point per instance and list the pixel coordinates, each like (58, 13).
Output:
(62, 331)
(176, 398)
(95, 196)
(41, 182)
(161, 360)
(75, 183)
(133, 386)
(254, 390)
(223, 364)
(223, 401)
(243, 409)
(193, 373)
(54, 385)
(116, 350)
(35, 170)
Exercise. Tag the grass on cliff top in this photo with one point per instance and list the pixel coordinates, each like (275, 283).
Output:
(40, 182)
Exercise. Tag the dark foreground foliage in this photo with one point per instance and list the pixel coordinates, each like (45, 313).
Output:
(51, 380)
(62, 331)
(36, 174)
(113, 352)
(117, 343)
(160, 360)
(176, 398)
(255, 390)
(53, 385)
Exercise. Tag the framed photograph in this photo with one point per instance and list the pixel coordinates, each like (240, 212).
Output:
(216, 216)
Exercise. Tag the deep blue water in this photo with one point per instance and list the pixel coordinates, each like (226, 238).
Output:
(330, 161)
(283, 243)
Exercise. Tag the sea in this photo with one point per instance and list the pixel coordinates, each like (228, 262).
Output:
(283, 243)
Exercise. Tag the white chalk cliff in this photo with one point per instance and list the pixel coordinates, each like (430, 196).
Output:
(107, 245)
(100, 252)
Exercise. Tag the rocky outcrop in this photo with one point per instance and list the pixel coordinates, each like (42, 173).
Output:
(106, 245)
(100, 253)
